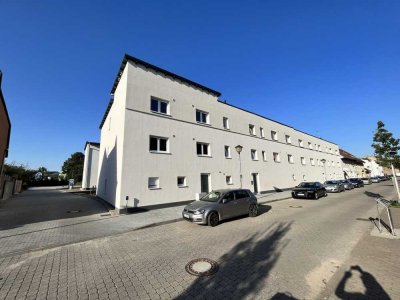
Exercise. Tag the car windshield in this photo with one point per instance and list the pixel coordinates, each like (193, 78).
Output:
(307, 185)
(211, 197)
(331, 182)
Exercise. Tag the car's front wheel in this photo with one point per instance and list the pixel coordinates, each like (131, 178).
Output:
(253, 210)
(213, 219)
(316, 196)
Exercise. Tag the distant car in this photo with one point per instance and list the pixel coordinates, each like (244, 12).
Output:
(366, 180)
(312, 190)
(220, 205)
(334, 186)
(347, 184)
(375, 179)
(357, 182)
(383, 178)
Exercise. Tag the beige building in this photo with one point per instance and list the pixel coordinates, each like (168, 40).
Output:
(165, 139)
(353, 167)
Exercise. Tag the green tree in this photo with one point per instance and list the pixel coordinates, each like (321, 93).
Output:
(73, 166)
(21, 172)
(386, 147)
(43, 171)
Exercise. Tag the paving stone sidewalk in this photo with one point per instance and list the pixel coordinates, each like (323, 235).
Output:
(372, 271)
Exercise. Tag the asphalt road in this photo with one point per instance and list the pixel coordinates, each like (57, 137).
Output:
(288, 252)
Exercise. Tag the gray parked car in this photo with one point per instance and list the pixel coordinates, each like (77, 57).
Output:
(334, 186)
(366, 180)
(347, 184)
(220, 205)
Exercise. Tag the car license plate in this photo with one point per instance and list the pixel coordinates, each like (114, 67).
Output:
(186, 215)
(300, 194)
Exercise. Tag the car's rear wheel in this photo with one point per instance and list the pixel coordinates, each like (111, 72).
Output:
(253, 210)
(213, 219)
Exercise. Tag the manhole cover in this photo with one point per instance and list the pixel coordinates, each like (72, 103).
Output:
(295, 206)
(202, 267)
(73, 211)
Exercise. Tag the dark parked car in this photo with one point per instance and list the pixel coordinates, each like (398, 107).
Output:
(220, 205)
(356, 182)
(312, 190)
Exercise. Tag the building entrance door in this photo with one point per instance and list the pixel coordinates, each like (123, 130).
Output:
(255, 182)
(205, 183)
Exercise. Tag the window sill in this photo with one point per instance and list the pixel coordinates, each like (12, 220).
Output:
(227, 128)
(156, 188)
(161, 114)
(229, 184)
(204, 124)
(228, 157)
(158, 152)
(183, 186)
(277, 161)
(199, 155)
(254, 159)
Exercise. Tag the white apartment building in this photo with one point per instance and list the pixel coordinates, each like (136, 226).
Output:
(90, 165)
(372, 166)
(166, 139)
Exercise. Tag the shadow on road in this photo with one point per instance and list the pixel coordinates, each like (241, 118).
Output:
(244, 268)
(373, 195)
(373, 290)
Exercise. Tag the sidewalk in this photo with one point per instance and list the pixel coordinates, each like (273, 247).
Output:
(372, 271)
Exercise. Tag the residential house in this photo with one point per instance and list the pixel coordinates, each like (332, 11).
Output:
(353, 167)
(5, 130)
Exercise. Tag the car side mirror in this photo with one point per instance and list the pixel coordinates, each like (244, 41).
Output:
(224, 201)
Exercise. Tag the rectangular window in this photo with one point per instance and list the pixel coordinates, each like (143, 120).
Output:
(252, 130)
(301, 143)
(159, 106)
(158, 144)
(319, 147)
(309, 145)
(254, 154)
(264, 155)
(181, 181)
(288, 139)
(229, 180)
(274, 135)
(225, 122)
(202, 117)
(312, 161)
(290, 158)
(227, 152)
(154, 183)
(203, 149)
(303, 160)
(276, 157)
(262, 132)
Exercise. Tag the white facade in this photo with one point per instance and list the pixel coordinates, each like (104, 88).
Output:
(154, 157)
(373, 167)
(90, 165)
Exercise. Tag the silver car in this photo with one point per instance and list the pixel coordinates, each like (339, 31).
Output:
(220, 205)
(334, 186)
(366, 180)
(347, 184)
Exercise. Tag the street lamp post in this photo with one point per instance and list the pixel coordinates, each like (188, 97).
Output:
(396, 185)
(239, 149)
(324, 162)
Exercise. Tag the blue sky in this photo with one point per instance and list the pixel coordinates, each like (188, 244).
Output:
(330, 68)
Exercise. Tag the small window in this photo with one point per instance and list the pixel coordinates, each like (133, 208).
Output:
(202, 117)
(159, 106)
(288, 139)
(276, 156)
(301, 143)
(254, 154)
(262, 134)
(252, 130)
(304, 177)
(309, 145)
(203, 149)
(264, 155)
(227, 152)
(312, 161)
(274, 135)
(154, 183)
(303, 160)
(294, 177)
(229, 180)
(290, 158)
(225, 122)
(158, 144)
(181, 181)
(319, 147)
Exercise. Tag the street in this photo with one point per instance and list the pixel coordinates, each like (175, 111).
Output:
(292, 249)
